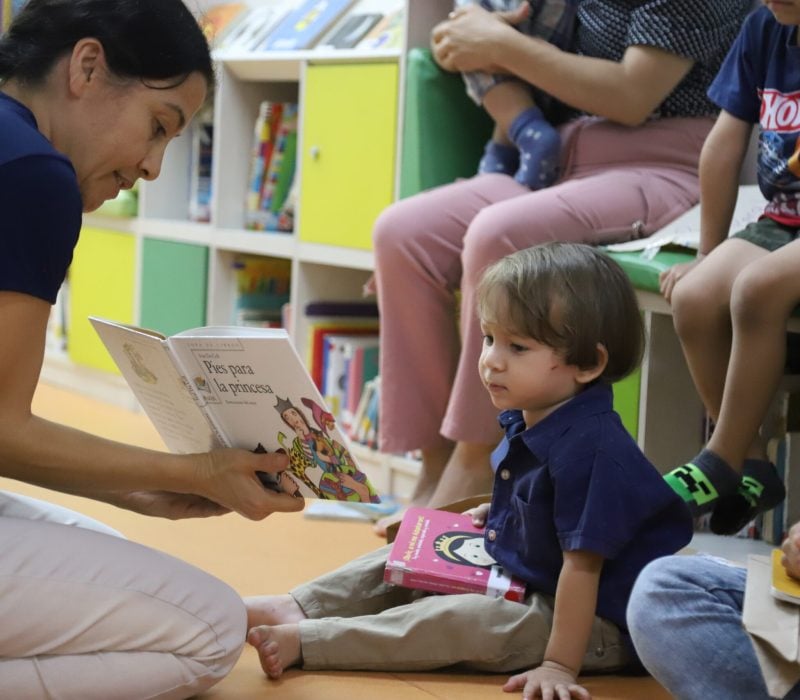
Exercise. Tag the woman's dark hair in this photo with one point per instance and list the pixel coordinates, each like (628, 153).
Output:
(570, 297)
(149, 40)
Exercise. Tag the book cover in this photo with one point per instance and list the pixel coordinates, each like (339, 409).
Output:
(221, 18)
(783, 587)
(250, 30)
(349, 31)
(386, 34)
(444, 552)
(361, 363)
(304, 25)
(238, 387)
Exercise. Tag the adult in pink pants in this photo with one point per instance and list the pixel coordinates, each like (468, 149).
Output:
(641, 71)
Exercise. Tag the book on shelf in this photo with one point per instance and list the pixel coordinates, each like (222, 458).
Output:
(783, 586)
(8, 10)
(335, 317)
(387, 33)
(348, 362)
(364, 429)
(251, 28)
(349, 30)
(238, 387)
(304, 25)
(200, 182)
(262, 289)
(684, 231)
(273, 162)
(443, 552)
(220, 19)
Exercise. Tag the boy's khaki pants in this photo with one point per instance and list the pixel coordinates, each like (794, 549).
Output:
(356, 621)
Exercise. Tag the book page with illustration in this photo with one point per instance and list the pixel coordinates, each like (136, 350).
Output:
(253, 391)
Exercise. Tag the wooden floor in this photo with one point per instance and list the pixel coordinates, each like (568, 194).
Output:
(270, 557)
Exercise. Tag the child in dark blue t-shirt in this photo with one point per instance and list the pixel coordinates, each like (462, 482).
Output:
(731, 305)
(577, 510)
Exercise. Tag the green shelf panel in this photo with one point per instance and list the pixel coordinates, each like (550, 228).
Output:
(173, 285)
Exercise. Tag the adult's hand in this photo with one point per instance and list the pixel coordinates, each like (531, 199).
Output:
(791, 552)
(228, 477)
(165, 504)
(465, 40)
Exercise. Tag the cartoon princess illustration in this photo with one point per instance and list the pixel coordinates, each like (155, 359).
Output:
(318, 460)
(463, 548)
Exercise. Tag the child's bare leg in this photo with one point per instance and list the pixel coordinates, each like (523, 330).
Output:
(516, 116)
(764, 296)
(701, 311)
(278, 647)
(272, 610)
(720, 477)
(433, 463)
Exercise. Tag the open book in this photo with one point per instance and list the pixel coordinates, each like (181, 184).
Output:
(784, 587)
(238, 387)
(444, 552)
(685, 230)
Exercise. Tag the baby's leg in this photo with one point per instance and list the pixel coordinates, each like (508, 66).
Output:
(515, 113)
(278, 647)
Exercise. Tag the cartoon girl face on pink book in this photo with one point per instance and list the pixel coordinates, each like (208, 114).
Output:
(463, 548)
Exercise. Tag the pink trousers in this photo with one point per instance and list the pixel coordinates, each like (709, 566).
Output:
(617, 183)
(87, 615)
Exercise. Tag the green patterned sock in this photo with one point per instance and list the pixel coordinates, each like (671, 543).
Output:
(702, 482)
(760, 490)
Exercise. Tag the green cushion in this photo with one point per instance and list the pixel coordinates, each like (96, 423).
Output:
(444, 132)
(644, 271)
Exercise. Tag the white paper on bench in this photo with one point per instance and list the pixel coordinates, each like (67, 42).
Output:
(685, 230)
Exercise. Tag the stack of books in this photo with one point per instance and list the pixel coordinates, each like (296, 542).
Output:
(298, 25)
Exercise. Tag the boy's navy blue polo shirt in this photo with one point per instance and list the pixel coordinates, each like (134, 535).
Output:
(40, 204)
(577, 481)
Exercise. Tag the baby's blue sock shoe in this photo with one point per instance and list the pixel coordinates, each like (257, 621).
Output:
(702, 482)
(499, 158)
(539, 144)
(760, 490)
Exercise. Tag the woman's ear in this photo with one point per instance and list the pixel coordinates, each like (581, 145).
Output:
(585, 376)
(85, 62)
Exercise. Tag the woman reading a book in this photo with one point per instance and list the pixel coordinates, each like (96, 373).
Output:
(91, 93)
(635, 89)
(576, 512)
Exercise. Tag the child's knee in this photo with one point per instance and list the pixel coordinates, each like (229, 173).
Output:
(691, 304)
(758, 294)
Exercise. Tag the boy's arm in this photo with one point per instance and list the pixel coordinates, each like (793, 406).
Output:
(721, 161)
(573, 617)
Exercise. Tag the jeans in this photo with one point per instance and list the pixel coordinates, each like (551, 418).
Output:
(685, 619)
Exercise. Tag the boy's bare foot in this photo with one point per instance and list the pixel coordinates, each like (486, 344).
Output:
(272, 610)
(278, 647)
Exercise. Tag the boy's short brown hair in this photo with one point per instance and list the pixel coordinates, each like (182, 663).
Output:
(570, 297)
